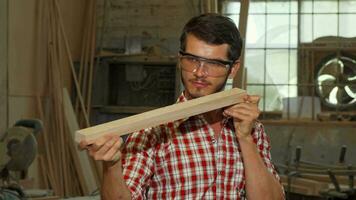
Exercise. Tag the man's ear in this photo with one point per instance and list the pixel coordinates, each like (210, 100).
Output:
(235, 67)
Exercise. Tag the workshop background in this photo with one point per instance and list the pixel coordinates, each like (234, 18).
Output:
(66, 65)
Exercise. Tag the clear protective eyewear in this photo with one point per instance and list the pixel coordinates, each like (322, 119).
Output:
(213, 67)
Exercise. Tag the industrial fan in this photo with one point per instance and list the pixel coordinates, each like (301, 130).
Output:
(335, 80)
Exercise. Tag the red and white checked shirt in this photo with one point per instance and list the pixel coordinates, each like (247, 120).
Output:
(184, 160)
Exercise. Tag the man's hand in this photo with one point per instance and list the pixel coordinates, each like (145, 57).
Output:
(106, 148)
(245, 114)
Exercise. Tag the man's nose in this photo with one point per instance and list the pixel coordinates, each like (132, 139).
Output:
(200, 70)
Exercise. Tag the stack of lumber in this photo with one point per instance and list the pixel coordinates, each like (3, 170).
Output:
(62, 167)
(313, 179)
(304, 186)
(86, 69)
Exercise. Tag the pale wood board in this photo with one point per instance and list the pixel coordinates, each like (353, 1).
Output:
(312, 187)
(48, 171)
(69, 55)
(325, 178)
(240, 78)
(84, 162)
(163, 115)
(92, 59)
(83, 55)
(299, 189)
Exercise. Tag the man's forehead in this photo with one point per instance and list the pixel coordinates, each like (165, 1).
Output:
(197, 46)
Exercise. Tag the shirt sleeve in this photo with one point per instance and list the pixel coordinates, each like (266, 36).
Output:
(264, 147)
(137, 160)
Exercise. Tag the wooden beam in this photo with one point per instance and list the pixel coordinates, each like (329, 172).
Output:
(83, 164)
(343, 180)
(3, 65)
(312, 187)
(299, 189)
(239, 79)
(92, 58)
(69, 55)
(163, 115)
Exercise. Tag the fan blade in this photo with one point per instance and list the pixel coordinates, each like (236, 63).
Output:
(333, 96)
(352, 79)
(349, 66)
(325, 77)
(326, 86)
(332, 68)
(341, 65)
(342, 96)
(350, 92)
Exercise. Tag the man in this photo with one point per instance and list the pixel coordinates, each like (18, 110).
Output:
(222, 154)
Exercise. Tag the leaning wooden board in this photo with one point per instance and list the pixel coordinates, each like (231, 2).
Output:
(163, 115)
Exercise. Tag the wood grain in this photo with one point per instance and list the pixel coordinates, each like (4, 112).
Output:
(163, 115)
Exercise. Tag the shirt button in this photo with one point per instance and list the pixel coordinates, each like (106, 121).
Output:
(220, 172)
(213, 140)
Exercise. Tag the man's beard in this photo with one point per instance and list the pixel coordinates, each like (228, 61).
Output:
(190, 95)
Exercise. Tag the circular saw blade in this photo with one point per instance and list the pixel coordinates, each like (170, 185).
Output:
(21, 147)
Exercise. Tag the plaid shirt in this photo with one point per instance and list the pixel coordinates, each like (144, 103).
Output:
(184, 160)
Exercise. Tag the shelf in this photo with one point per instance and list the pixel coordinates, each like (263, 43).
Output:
(292, 122)
(141, 58)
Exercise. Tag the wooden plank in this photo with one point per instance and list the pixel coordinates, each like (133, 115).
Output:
(164, 115)
(83, 54)
(240, 78)
(3, 65)
(84, 162)
(92, 59)
(309, 123)
(313, 187)
(325, 178)
(84, 58)
(299, 189)
(336, 172)
(48, 171)
(69, 55)
(210, 6)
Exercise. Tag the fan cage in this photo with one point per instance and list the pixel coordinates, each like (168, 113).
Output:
(335, 80)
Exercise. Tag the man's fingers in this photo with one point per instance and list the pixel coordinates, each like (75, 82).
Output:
(113, 151)
(243, 106)
(103, 149)
(242, 114)
(97, 143)
(243, 111)
(255, 99)
(85, 144)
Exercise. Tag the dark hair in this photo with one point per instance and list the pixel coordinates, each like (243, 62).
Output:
(214, 29)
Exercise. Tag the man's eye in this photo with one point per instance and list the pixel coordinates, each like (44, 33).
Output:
(192, 59)
(215, 64)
